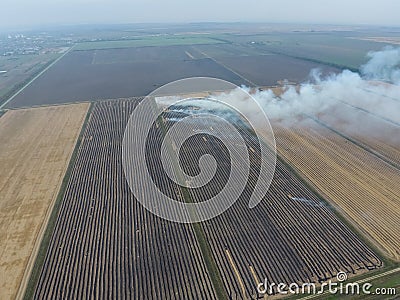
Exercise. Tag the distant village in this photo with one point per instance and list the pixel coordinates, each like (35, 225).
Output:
(21, 44)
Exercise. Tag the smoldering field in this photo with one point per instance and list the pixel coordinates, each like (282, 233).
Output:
(341, 134)
(366, 104)
(361, 107)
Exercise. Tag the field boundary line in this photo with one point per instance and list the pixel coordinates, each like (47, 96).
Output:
(369, 112)
(378, 94)
(49, 105)
(304, 58)
(226, 67)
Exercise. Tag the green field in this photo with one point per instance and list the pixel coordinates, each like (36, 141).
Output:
(147, 42)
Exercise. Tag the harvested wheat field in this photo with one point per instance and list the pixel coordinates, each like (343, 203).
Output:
(35, 149)
(105, 244)
(373, 134)
(361, 185)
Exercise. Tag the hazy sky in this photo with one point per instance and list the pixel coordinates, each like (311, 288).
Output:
(43, 12)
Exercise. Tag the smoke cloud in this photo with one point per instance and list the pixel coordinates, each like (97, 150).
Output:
(383, 65)
(366, 104)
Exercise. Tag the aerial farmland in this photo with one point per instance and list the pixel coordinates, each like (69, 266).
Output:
(72, 227)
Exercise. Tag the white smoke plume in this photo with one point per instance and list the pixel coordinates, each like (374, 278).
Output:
(360, 101)
(366, 104)
(383, 65)
(354, 104)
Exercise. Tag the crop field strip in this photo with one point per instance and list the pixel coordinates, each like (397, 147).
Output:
(360, 184)
(377, 129)
(105, 244)
(372, 106)
(35, 149)
(166, 185)
(290, 237)
(371, 133)
(392, 118)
